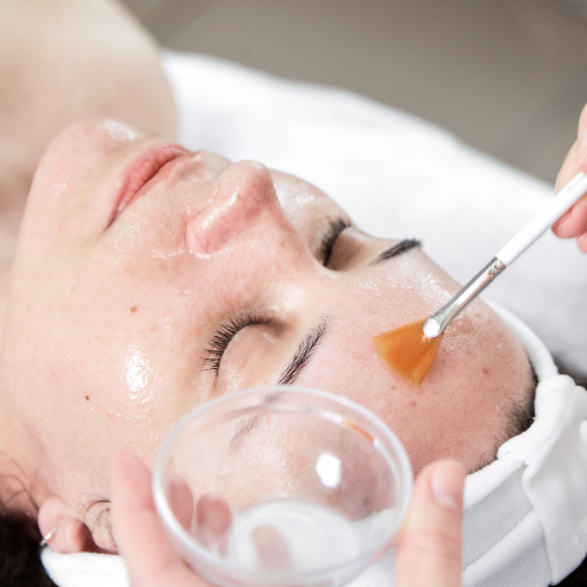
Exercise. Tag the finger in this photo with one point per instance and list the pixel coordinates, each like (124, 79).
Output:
(581, 144)
(272, 550)
(428, 551)
(139, 532)
(213, 514)
(573, 224)
(213, 520)
(582, 121)
(181, 501)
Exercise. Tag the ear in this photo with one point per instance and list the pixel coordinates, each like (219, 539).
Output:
(71, 534)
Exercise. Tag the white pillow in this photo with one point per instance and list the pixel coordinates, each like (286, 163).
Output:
(397, 176)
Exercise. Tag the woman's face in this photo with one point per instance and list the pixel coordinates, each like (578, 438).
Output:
(149, 279)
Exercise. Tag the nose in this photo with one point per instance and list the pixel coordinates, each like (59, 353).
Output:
(244, 205)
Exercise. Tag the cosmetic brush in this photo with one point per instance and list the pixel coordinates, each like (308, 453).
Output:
(410, 349)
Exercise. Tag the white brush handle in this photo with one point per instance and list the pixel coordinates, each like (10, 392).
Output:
(436, 324)
(544, 219)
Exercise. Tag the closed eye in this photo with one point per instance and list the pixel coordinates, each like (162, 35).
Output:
(219, 342)
(335, 229)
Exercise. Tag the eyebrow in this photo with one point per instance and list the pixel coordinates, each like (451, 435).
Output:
(303, 354)
(309, 343)
(397, 249)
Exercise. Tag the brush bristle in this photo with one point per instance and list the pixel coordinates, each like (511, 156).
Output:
(408, 351)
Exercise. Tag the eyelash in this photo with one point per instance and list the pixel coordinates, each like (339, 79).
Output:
(218, 344)
(335, 228)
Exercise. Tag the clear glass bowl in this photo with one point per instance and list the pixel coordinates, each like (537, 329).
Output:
(281, 487)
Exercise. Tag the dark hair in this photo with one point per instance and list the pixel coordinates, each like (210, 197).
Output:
(518, 419)
(578, 578)
(20, 554)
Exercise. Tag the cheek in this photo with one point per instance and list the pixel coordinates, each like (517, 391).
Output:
(88, 379)
(462, 408)
(400, 291)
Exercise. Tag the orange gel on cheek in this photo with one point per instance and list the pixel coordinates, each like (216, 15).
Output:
(408, 351)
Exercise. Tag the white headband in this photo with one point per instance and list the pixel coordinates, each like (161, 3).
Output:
(525, 513)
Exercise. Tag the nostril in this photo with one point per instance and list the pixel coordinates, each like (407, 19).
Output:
(243, 195)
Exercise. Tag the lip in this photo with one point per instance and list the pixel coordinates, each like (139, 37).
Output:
(143, 170)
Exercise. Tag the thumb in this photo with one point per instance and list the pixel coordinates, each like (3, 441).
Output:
(428, 551)
(141, 538)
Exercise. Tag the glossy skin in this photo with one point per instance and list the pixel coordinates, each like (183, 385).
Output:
(109, 314)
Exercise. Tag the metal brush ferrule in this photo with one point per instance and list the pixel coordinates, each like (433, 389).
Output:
(436, 324)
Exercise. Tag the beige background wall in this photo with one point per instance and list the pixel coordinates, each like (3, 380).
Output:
(507, 76)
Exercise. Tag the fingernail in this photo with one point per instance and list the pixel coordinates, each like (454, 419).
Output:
(581, 149)
(181, 500)
(447, 486)
(213, 513)
(563, 218)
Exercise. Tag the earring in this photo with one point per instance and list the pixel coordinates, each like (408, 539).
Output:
(48, 537)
